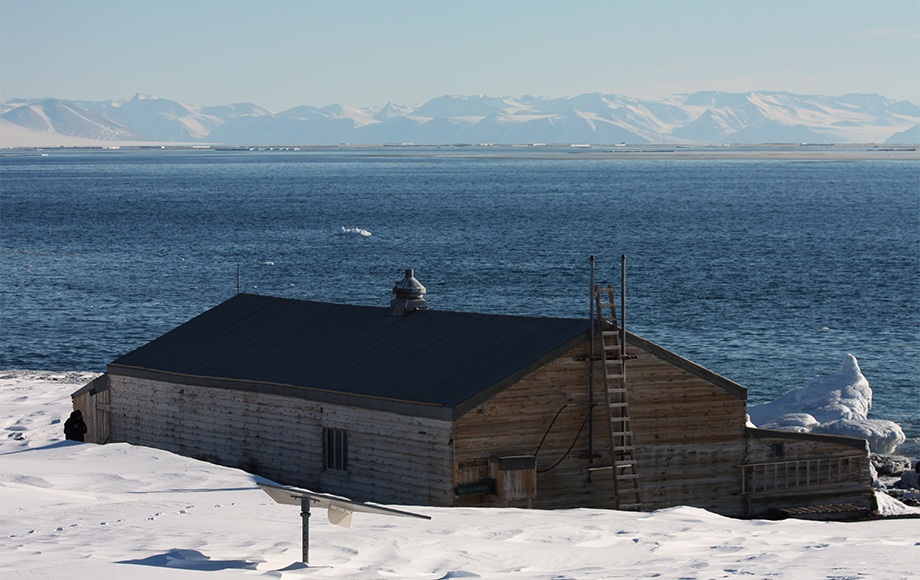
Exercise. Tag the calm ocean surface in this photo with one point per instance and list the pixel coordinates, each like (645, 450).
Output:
(765, 271)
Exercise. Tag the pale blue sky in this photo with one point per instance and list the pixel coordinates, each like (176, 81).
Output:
(284, 53)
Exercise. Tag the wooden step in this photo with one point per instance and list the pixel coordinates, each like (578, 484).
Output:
(631, 506)
(625, 476)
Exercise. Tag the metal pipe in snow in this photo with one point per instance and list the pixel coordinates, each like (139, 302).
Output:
(305, 534)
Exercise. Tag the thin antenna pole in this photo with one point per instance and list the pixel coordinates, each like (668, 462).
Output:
(237, 279)
(591, 366)
(623, 305)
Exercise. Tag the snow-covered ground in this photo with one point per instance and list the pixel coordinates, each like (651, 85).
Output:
(83, 511)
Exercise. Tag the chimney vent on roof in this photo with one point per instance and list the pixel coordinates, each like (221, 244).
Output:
(409, 292)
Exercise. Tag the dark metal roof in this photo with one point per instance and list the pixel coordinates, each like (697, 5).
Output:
(429, 363)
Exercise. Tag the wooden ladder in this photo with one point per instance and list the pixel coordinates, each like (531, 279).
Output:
(619, 431)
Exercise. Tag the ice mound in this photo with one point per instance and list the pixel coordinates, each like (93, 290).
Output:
(843, 395)
(883, 436)
(799, 422)
(833, 404)
(354, 232)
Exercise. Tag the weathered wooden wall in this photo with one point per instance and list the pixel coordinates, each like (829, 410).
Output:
(391, 458)
(811, 470)
(689, 436)
(93, 402)
(692, 445)
(513, 423)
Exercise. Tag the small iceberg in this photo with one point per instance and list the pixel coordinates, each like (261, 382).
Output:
(836, 404)
(354, 232)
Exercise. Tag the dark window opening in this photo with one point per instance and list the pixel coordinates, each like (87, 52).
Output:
(336, 451)
(777, 449)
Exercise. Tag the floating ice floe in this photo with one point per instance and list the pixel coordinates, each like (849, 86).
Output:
(354, 232)
(836, 404)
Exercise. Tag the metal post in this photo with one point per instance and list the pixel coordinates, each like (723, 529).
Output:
(237, 280)
(305, 515)
(623, 305)
(591, 367)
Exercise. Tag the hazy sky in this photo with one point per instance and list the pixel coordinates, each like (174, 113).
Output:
(284, 53)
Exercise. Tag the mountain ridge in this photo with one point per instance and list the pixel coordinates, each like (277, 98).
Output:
(704, 117)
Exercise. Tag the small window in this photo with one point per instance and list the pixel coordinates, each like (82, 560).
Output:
(777, 449)
(336, 451)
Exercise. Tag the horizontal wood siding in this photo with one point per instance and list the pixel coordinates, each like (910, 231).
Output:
(689, 436)
(391, 458)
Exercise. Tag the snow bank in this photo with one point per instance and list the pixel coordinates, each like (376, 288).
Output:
(834, 404)
(889, 506)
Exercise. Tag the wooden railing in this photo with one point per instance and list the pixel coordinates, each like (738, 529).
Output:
(765, 478)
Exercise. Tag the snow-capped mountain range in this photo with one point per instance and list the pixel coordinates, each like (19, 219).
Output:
(701, 117)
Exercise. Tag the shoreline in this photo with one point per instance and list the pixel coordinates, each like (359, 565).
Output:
(767, 152)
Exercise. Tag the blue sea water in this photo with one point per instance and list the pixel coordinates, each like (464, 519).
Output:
(765, 271)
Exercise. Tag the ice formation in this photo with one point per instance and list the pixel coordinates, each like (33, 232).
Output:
(835, 404)
(354, 232)
(883, 436)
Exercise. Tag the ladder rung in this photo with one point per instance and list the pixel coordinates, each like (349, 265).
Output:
(623, 434)
(619, 476)
(594, 468)
(618, 405)
(626, 463)
(624, 448)
(631, 506)
(621, 419)
(616, 390)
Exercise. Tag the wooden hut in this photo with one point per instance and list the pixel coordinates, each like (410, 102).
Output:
(408, 405)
